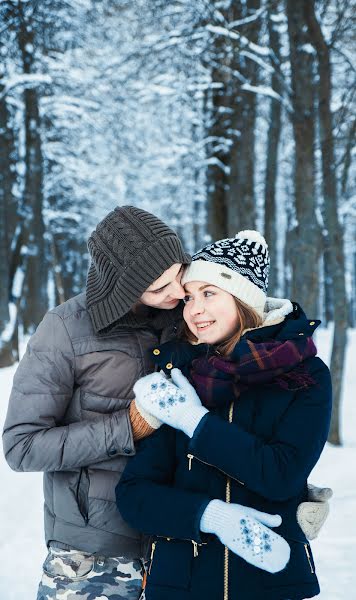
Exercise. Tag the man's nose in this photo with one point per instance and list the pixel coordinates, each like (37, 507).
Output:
(177, 290)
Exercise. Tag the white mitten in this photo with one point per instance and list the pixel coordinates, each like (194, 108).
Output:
(243, 530)
(311, 515)
(179, 407)
(151, 420)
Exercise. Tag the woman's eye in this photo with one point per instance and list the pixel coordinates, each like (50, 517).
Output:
(186, 299)
(208, 293)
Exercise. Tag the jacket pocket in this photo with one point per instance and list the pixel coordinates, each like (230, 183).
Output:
(71, 564)
(99, 405)
(299, 570)
(82, 493)
(171, 564)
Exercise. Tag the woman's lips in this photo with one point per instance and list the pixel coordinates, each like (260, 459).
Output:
(204, 325)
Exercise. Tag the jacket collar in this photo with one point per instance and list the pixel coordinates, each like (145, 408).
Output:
(283, 320)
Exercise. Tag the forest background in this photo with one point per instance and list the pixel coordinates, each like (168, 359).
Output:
(215, 115)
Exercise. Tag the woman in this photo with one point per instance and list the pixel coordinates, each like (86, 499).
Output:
(241, 442)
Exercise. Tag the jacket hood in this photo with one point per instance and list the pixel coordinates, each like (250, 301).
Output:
(283, 319)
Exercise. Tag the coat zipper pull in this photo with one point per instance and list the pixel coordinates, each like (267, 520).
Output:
(195, 549)
(190, 458)
(153, 548)
(308, 557)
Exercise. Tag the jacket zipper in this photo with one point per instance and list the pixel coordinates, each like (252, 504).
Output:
(153, 548)
(190, 459)
(227, 499)
(195, 549)
(308, 557)
(306, 549)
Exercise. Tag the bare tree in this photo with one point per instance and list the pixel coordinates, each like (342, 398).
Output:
(274, 133)
(36, 273)
(231, 170)
(218, 147)
(241, 191)
(335, 254)
(306, 248)
(6, 182)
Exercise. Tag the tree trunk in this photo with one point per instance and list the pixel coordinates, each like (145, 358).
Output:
(307, 247)
(68, 255)
(274, 132)
(335, 232)
(231, 171)
(241, 192)
(217, 181)
(36, 274)
(352, 311)
(328, 284)
(7, 356)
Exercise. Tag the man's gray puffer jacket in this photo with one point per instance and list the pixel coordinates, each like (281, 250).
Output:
(68, 416)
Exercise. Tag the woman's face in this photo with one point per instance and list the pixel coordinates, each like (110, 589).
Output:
(210, 312)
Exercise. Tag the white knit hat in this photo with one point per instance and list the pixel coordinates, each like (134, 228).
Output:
(238, 265)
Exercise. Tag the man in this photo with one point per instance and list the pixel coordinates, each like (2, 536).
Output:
(70, 413)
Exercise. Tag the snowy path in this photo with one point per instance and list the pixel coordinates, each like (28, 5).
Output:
(22, 549)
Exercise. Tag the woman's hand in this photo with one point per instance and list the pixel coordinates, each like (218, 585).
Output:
(246, 532)
(175, 401)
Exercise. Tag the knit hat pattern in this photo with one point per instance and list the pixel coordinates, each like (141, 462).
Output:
(238, 265)
(130, 248)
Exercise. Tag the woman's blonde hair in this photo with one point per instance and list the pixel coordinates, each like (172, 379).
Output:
(248, 319)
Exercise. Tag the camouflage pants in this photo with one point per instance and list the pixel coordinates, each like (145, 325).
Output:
(74, 575)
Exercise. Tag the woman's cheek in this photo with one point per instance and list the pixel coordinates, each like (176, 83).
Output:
(186, 317)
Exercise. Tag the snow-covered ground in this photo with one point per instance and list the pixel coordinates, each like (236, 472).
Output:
(22, 548)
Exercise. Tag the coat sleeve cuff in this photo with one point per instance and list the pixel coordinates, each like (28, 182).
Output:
(198, 430)
(199, 536)
(118, 434)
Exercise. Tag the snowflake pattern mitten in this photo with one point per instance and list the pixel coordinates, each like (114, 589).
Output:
(173, 401)
(246, 532)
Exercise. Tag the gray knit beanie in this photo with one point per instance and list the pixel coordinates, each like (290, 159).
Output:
(130, 248)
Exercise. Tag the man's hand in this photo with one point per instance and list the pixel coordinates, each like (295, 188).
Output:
(311, 515)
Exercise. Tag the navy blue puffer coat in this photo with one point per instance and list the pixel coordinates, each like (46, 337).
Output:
(266, 452)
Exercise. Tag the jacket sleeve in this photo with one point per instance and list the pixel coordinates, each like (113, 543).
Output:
(34, 436)
(277, 469)
(146, 497)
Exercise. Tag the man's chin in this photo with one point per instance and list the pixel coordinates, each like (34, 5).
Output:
(169, 305)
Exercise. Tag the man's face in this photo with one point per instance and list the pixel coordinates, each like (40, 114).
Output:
(166, 291)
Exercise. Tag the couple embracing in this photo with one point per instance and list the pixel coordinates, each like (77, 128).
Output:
(176, 438)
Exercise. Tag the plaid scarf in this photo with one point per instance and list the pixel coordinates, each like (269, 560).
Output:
(217, 378)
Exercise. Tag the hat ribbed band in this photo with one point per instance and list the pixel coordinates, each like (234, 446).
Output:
(227, 279)
(109, 297)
